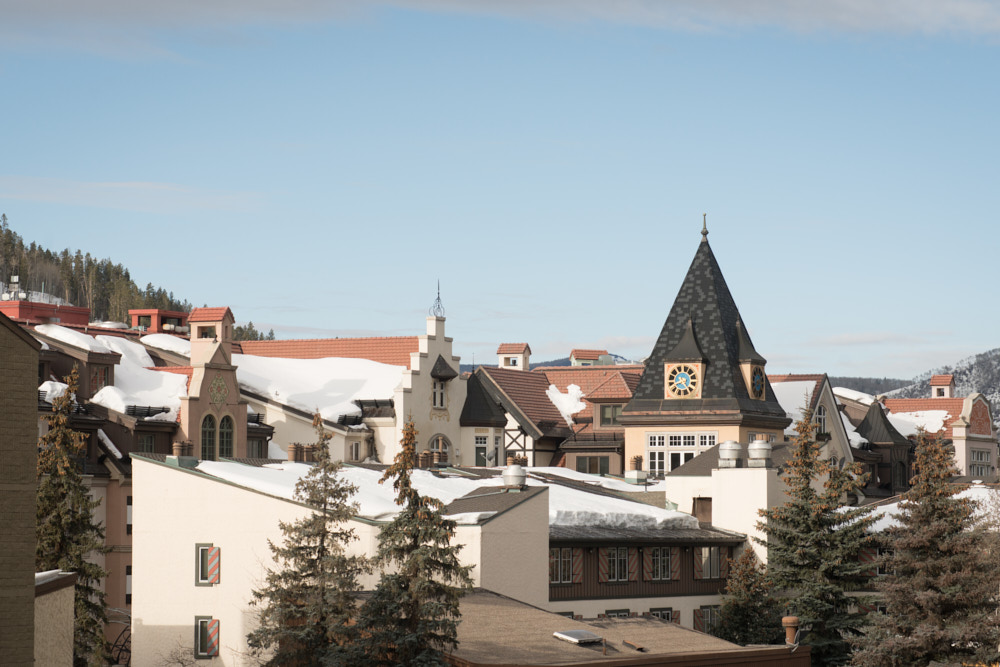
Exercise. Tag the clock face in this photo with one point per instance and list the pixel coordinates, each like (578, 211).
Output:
(757, 382)
(682, 380)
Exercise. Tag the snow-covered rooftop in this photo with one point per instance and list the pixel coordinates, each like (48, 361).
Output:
(74, 338)
(794, 397)
(567, 506)
(852, 395)
(567, 404)
(988, 499)
(168, 343)
(328, 385)
(135, 384)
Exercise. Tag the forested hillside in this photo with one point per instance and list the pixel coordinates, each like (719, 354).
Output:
(76, 277)
(980, 373)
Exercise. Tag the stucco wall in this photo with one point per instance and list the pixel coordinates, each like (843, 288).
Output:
(515, 552)
(54, 628)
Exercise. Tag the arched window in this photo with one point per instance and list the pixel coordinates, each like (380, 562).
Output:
(208, 438)
(821, 420)
(226, 438)
(439, 443)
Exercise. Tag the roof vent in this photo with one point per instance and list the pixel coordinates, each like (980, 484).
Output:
(759, 454)
(729, 454)
(514, 475)
(578, 636)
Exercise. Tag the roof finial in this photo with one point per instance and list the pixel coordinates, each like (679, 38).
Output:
(704, 227)
(437, 308)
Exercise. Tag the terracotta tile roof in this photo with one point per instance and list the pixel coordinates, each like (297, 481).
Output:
(514, 348)
(527, 390)
(793, 377)
(209, 314)
(597, 382)
(942, 380)
(587, 354)
(395, 351)
(952, 405)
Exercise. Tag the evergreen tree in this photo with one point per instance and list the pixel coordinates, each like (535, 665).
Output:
(412, 616)
(940, 597)
(308, 605)
(66, 533)
(814, 547)
(750, 614)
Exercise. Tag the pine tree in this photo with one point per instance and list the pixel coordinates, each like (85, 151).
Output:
(750, 614)
(412, 616)
(308, 605)
(66, 533)
(940, 598)
(814, 547)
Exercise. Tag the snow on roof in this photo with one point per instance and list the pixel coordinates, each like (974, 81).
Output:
(48, 575)
(851, 395)
(988, 500)
(52, 389)
(168, 343)
(135, 384)
(567, 404)
(595, 480)
(329, 385)
(907, 423)
(70, 337)
(107, 443)
(567, 506)
(853, 436)
(793, 398)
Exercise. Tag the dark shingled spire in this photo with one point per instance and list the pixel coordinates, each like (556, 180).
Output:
(704, 306)
(442, 371)
(877, 429)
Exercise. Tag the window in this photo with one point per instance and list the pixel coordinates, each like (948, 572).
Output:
(561, 566)
(661, 564)
(128, 515)
(255, 449)
(677, 459)
(706, 440)
(821, 419)
(940, 391)
(147, 443)
(663, 613)
(709, 618)
(656, 463)
(618, 564)
(206, 332)
(354, 450)
(617, 613)
(208, 565)
(980, 466)
(226, 437)
(145, 321)
(766, 437)
(481, 440)
(206, 637)
(654, 452)
(440, 444)
(595, 465)
(128, 584)
(980, 456)
(610, 414)
(510, 361)
(208, 438)
(710, 562)
(98, 378)
(437, 394)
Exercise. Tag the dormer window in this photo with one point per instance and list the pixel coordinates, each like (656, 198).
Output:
(98, 378)
(610, 415)
(939, 391)
(511, 361)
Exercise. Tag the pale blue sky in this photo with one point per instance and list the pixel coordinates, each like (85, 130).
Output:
(318, 170)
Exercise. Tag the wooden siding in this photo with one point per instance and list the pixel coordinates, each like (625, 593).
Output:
(591, 588)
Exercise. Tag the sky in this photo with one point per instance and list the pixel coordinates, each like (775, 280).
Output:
(320, 166)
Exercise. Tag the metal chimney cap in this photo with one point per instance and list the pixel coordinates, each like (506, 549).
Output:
(514, 475)
(759, 449)
(729, 450)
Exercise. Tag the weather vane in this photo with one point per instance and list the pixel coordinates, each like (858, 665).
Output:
(437, 309)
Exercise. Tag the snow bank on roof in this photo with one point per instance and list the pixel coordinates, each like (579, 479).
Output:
(794, 397)
(988, 500)
(469, 517)
(137, 385)
(852, 435)
(907, 423)
(596, 480)
(70, 337)
(328, 385)
(107, 443)
(567, 404)
(851, 395)
(52, 389)
(168, 343)
(567, 506)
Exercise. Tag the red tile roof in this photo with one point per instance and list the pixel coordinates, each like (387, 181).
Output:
(792, 377)
(390, 350)
(952, 405)
(209, 314)
(527, 390)
(942, 380)
(514, 348)
(587, 354)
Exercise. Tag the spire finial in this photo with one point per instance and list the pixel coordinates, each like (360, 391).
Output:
(704, 227)
(437, 308)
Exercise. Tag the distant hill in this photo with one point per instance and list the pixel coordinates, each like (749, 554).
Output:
(871, 386)
(468, 368)
(980, 372)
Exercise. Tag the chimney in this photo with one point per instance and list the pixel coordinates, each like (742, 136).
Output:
(729, 454)
(791, 626)
(293, 452)
(759, 454)
(514, 476)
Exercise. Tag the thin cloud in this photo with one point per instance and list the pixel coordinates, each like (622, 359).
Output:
(141, 197)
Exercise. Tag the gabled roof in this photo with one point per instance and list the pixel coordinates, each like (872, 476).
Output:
(522, 393)
(876, 428)
(210, 314)
(479, 408)
(816, 378)
(513, 348)
(942, 380)
(704, 300)
(395, 351)
(492, 499)
(953, 406)
(592, 355)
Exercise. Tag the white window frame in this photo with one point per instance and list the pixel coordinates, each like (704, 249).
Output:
(710, 617)
(821, 419)
(562, 559)
(661, 563)
(663, 613)
(354, 450)
(711, 562)
(437, 393)
(618, 564)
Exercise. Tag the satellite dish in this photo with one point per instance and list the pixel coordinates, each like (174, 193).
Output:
(491, 456)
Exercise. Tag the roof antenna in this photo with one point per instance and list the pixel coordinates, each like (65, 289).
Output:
(437, 309)
(704, 228)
